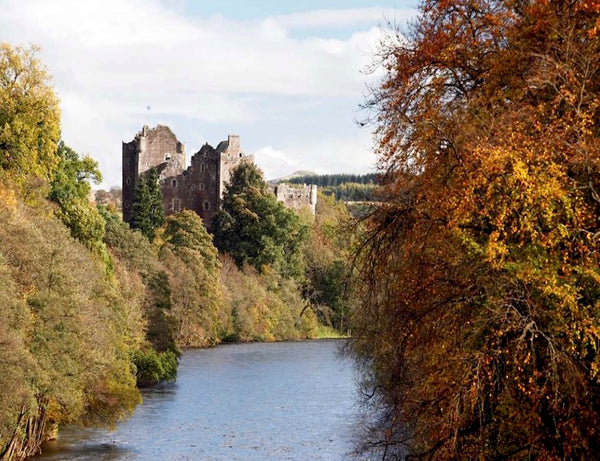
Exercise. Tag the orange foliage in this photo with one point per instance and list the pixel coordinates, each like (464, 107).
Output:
(481, 320)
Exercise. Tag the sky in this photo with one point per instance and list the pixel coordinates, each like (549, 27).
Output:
(287, 76)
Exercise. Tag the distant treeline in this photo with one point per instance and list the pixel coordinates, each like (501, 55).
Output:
(345, 187)
(329, 180)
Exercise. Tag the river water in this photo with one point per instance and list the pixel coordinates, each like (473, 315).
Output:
(259, 401)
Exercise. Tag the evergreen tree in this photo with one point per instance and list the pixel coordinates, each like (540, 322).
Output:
(147, 209)
(157, 214)
(255, 228)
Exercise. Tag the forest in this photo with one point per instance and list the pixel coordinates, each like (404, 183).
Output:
(344, 187)
(94, 309)
(479, 329)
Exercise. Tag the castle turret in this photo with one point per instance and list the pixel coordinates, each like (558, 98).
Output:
(151, 148)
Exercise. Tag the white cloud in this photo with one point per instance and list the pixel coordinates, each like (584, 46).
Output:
(112, 58)
(275, 163)
(325, 156)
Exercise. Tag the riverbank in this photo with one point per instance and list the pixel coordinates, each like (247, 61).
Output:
(251, 401)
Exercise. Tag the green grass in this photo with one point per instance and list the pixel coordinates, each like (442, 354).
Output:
(327, 332)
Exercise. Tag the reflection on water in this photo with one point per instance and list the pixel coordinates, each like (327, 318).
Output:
(274, 401)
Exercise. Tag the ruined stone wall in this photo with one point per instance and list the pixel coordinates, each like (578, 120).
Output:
(203, 176)
(200, 187)
(297, 197)
(151, 148)
(230, 155)
(130, 174)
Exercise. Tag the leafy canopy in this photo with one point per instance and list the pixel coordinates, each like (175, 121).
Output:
(480, 323)
(29, 116)
(70, 189)
(256, 229)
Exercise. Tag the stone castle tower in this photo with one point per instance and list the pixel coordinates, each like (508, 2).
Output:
(198, 187)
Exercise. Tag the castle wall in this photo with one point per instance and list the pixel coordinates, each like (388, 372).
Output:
(200, 187)
(203, 179)
(151, 148)
(130, 174)
(230, 155)
(297, 198)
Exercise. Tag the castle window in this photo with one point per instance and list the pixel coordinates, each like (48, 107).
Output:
(201, 186)
(167, 156)
(176, 205)
(193, 186)
(174, 183)
(128, 181)
(202, 167)
(240, 155)
(206, 206)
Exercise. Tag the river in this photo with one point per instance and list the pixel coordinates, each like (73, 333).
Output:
(251, 402)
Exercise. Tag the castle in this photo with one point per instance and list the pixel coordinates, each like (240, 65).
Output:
(198, 187)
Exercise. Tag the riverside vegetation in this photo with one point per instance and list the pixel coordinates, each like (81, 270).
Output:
(92, 309)
(480, 324)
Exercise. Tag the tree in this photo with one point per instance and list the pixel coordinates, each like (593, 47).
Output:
(70, 189)
(29, 117)
(329, 283)
(156, 360)
(479, 329)
(147, 208)
(256, 229)
(194, 263)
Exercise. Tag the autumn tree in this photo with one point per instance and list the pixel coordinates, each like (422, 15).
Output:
(479, 329)
(67, 334)
(156, 360)
(29, 119)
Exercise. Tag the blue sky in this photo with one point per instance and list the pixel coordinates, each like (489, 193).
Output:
(249, 9)
(287, 76)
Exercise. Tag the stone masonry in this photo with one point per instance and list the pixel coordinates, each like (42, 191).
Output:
(297, 197)
(198, 187)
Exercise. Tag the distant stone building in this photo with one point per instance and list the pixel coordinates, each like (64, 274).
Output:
(297, 197)
(198, 187)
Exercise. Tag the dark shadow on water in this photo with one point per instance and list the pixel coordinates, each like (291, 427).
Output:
(164, 390)
(56, 450)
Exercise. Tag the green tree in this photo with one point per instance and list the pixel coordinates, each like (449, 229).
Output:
(330, 283)
(255, 228)
(70, 189)
(157, 357)
(147, 209)
(66, 338)
(29, 118)
(194, 263)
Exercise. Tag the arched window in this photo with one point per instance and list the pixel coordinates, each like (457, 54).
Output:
(176, 205)
(174, 183)
(206, 206)
(201, 186)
